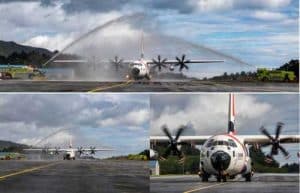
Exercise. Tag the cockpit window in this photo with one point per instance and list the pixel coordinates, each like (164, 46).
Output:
(232, 143)
(221, 143)
(209, 143)
(212, 142)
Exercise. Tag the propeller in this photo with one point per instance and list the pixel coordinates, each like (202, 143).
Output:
(56, 152)
(118, 63)
(45, 150)
(92, 150)
(182, 62)
(275, 142)
(173, 143)
(159, 63)
(80, 150)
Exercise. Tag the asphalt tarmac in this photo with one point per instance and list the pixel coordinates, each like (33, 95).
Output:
(261, 183)
(144, 86)
(79, 176)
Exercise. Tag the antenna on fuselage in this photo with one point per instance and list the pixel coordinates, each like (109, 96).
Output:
(142, 43)
(231, 115)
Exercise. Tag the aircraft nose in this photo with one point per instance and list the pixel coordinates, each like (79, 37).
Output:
(135, 71)
(220, 160)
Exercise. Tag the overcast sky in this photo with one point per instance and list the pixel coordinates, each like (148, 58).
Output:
(120, 121)
(207, 114)
(263, 33)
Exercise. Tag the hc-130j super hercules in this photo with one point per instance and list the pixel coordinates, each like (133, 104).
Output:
(226, 155)
(141, 68)
(69, 153)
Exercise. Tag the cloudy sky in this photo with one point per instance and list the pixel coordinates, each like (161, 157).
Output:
(207, 114)
(263, 33)
(106, 120)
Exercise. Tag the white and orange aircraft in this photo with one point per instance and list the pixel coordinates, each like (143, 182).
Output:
(69, 153)
(141, 68)
(225, 155)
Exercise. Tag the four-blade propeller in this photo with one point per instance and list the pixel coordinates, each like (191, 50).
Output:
(118, 63)
(56, 152)
(173, 143)
(92, 150)
(275, 142)
(80, 150)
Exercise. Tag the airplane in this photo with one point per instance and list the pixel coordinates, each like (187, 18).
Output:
(224, 155)
(141, 68)
(70, 152)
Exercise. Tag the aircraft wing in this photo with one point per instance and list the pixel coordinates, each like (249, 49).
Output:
(195, 140)
(45, 149)
(261, 139)
(99, 149)
(126, 62)
(188, 62)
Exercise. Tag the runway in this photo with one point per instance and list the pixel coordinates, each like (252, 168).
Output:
(88, 176)
(264, 183)
(153, 86)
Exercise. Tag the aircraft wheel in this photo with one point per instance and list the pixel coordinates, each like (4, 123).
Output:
(248, 177)
(205, 177)
(224, 178)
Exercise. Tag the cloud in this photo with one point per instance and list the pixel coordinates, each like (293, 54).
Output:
(31, 118)
(208, 113)
(222, 5)
(269, 16)
(53, 24)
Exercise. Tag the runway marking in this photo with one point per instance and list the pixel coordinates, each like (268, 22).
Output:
(113, 86)
(202, 188)
(26, 171)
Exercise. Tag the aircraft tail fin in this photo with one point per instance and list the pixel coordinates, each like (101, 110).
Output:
(142, 44)
(70, 143)
(231, 115)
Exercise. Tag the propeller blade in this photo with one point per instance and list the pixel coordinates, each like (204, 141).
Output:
(274, 150)
(264, 131)
(285, 153)
(166, 131)
(278, 129)
(179, 132)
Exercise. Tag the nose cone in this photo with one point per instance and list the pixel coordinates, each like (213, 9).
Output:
(135, 71)
(220, 160)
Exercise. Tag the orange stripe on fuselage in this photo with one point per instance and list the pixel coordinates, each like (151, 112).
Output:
(244, 148)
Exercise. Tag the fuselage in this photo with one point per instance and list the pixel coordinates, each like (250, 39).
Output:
(225, 155)
(69, 155)
(139, 70)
